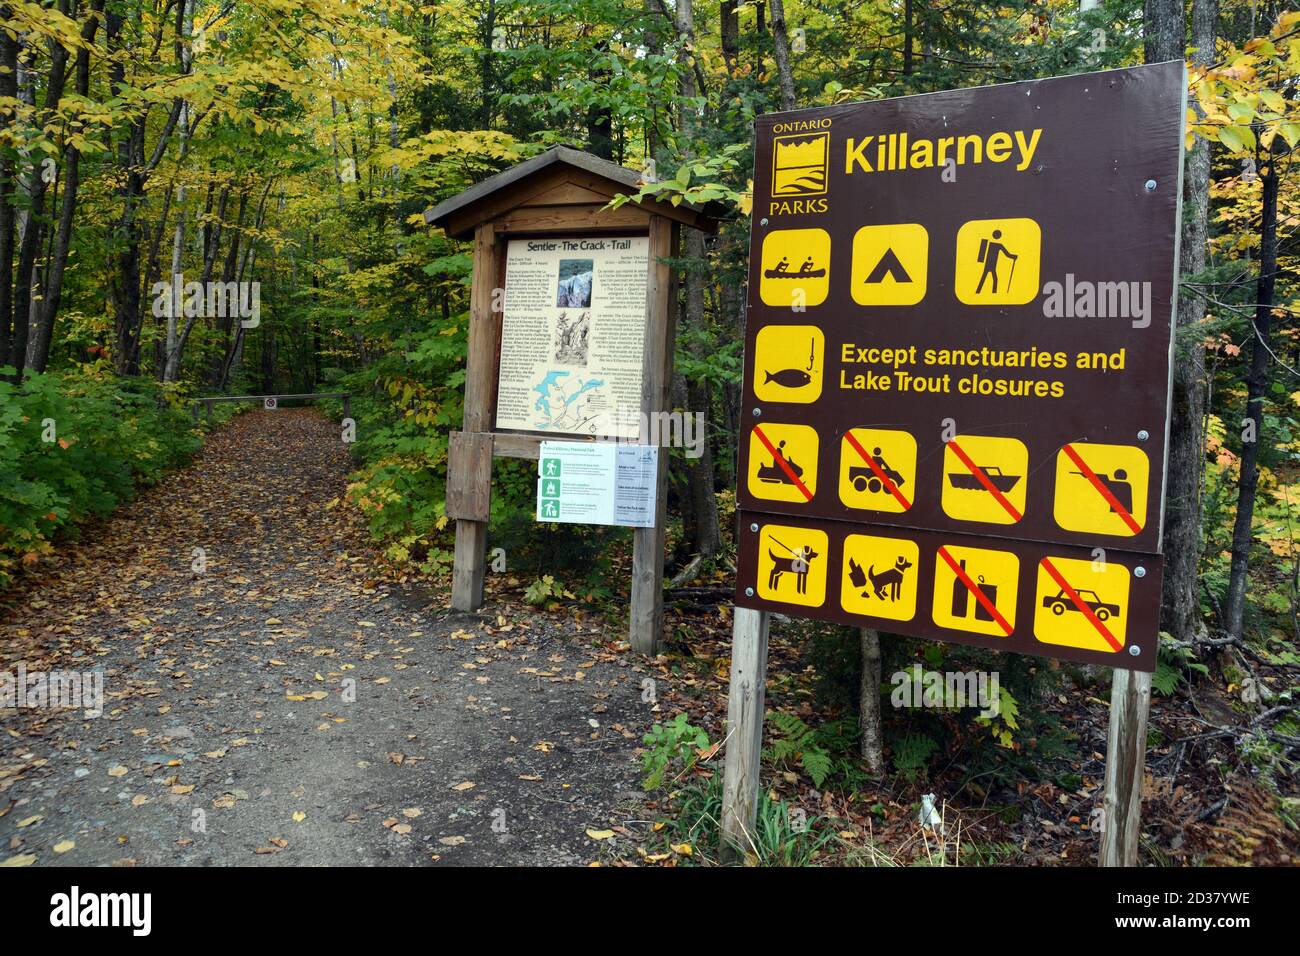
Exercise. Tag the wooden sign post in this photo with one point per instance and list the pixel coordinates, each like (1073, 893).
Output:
(561, 195)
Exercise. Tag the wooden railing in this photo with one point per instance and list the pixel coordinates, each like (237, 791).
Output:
(269, 401)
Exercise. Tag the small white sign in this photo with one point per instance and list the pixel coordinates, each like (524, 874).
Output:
(269, 403)
(597, 483)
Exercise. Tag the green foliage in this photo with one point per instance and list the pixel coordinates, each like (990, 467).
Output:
(544, 590)
(670, 746)
(783, 835)
(799, 744)
(911, 754)
(75, 446)
(1173, 663)
(1003, 725)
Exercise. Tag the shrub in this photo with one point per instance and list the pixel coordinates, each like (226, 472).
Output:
(74, 446)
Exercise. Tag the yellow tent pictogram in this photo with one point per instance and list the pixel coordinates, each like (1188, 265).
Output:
(890, 264)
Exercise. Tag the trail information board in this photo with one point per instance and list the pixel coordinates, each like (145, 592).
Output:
(958, 355)
(572, 333)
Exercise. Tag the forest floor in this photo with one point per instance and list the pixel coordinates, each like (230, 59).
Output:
(284, 705)
(291, 702)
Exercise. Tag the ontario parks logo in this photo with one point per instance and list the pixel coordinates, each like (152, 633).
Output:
(800, 167)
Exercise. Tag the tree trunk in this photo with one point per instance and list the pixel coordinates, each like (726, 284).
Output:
(1256, 386)
(8, 175)
(781, 45)
(600, 117)
(38, 350)
(704, 500)
(1180, 608)
(124, 284)
(485, 74)
(27, 294)
(1164, 31)
(172, 363)
(907, 37)
(729, 25)
(871, 745)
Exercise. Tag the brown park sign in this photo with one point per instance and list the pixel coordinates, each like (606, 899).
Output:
(958, 355)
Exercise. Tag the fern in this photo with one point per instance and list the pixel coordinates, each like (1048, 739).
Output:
(799, 742)
(817, 764)
(1173, 662)
(911, 753)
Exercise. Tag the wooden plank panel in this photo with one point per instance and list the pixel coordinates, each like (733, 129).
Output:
(480, 394)
(1126, 748)
(469, 476)
(569, 194)
(572, 219)
(744, 750)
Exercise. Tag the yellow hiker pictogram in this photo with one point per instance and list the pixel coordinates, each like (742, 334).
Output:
(796, 268)
(1081, 604)
(1101, 489)
(889, 264)
(782, 462)
(879, 576)
(975, 590)
(792, 565)
(998, 261)
(788, 363)
(878, 469)
(984, 479)
(799, 164)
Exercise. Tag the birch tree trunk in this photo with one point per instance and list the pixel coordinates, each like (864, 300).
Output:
(781, 45)
(1180, 608)
(872, 744)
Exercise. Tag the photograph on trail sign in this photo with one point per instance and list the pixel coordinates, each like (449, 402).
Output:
(992, 352)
